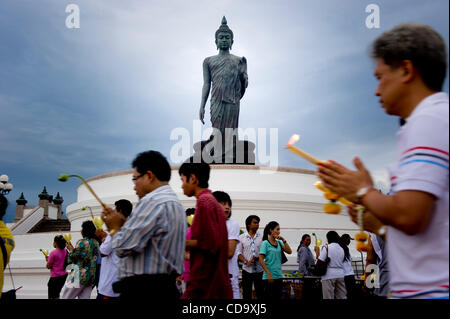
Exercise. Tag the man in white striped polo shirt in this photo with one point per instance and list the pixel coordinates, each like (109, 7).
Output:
(151, 242)
(411, 69)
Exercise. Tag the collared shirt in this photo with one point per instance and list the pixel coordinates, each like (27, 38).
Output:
(153, 239)
(108, 273)
(84, 256)
(249, 247)
(305, 260)
(419, 264)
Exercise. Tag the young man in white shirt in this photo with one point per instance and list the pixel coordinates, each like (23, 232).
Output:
(248, 253)
(411, 66)
(110, 260)
(233, 239)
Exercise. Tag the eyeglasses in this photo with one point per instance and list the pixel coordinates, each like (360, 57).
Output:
(134, 179)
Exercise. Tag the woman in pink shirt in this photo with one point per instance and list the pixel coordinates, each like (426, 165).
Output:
(55, 262)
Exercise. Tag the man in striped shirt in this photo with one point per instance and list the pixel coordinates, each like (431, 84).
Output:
(151, 242)
(411, 69)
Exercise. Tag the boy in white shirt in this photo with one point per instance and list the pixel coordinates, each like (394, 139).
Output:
(233, 239)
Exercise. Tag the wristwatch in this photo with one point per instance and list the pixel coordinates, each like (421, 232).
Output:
(362, 191)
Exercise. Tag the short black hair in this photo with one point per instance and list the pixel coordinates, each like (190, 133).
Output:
(88, 229)
(200, 170)
(190, 211)
(3, 206)
(249, 220)
(301, 241)
(222, 197)
(155, 162)
(420, 44)
(333, 237)
(124, 206)
(270, 226)
(60, 241)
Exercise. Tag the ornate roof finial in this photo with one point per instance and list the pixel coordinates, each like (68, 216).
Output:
(44, 195)
(58, 199)
(21, 200)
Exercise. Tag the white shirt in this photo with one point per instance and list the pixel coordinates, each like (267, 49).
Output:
(376, 247)
(249, 247)
(348, 269)
(335, 267)
(108, 271)
(233, 234)
(419, 264)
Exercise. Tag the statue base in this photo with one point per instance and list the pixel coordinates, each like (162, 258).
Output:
(242, 153)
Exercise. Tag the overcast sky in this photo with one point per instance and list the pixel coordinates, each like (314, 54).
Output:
(87, 100)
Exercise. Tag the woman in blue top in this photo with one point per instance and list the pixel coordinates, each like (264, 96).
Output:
(270, 260)
(305, 257)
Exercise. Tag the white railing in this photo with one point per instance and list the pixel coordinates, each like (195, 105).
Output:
(30, 220)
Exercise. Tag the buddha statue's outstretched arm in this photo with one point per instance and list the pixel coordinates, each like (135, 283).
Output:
(205, 89)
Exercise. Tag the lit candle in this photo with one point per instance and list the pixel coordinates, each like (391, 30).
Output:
(295, 150)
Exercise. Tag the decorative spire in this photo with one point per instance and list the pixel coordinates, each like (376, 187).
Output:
(44, 195)
(58, 199)
(21, 200)
(224, 20)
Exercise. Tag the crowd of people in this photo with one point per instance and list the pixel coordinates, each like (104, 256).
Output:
(147, 249)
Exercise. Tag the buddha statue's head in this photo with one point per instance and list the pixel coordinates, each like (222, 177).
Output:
(224, 36)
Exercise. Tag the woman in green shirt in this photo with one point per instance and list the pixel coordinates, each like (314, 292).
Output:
(270, 260)
(84, 263)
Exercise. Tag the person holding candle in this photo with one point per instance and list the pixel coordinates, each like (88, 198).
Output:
(55, 262)
(150, 244)
(84, 257)
(110, 260)
(411, 66)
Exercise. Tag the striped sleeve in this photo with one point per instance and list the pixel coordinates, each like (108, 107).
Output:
(142, 225)
(424, 158)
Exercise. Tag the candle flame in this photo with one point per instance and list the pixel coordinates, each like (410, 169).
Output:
(294, 138)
